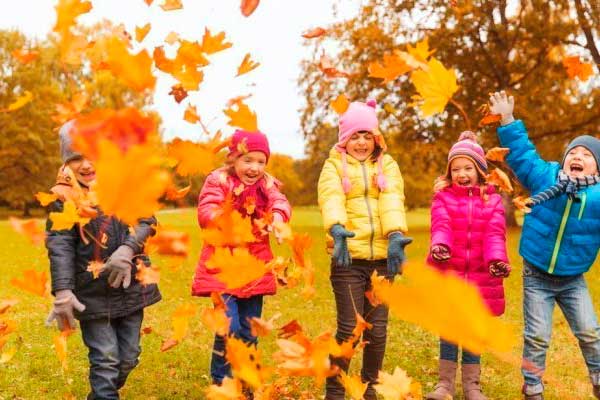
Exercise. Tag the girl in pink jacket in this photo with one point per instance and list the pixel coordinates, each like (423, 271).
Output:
(244, 181)
(468, 238)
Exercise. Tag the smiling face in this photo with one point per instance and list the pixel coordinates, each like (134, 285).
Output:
(361, 145)
(84, 170)
(580, 162)
(463, 172)
(250, 167)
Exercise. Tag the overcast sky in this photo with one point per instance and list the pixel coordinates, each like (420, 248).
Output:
(271, 35)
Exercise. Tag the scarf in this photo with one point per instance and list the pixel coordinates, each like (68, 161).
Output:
(565, 184)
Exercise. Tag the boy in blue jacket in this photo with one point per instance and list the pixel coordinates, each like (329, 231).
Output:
(559, 242)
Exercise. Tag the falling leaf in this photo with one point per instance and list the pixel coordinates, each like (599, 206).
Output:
(169, 242)
(488, 117)
(6, 356)
(148, 2)
(314, 33)
(60, 346)
(67, 11)
(523, 204)
(436, 86)
(421, 51)
(499, 178)
(227, 263)
(28, 228)
(249, 205)
(355, 388)
(70, 110)
(237, 100)
(245, 362)
(72, 49)
(173, 193)
(290, 329)
(327, 67)
(247, 65)
(20, 102)
(575, 68)
(242, 118)
(497, 154)
(229, 228)
(172, 38)
(229, 389)
(193, 158)
(457, 312)
(119, 176)
(45, 198)
(170, 5)
(25, 56)
(213, 44)
(134, 71)
(178, 93)
(191, 115)
(340, 104)
(5, 304)
(67, 218)
(248, 7)
(412, 61)
(147, 275)
(216, 318)
(141, 32)
(146, 330)
(33, 282)
(261, 328)
(397, 386)
(95, 267)
(389, 108)
(393, 66)
(180, 322)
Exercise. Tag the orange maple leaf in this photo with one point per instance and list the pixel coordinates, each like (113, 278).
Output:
(238, 99)
(180, 322)
(261, 328)
(290, 329)
(193, 158)
(170, 5)
(216, 318)
(169, 242)
(497, 154)
(393, 66)
(499, 178)
(67, 11)
(248, 6)
(575, 68)
(227, 263)
(245, 362)
(28, 228)
(25, 56)
(340, 104)
(488, 117)
(33, 282)
(327, 67)
(171, 38)
(60, 346)
(523, 204)
(173, 193)
(247, 65)
(148, 2)
(314, 33)
(141, 32)
(229, 228)
(242, 118)
(178, 92)
(5, 304)
(355, 388)
(213, 44)
(134, 71)
(70, 110)
(95, 267)
(147, 275)
(191, 115)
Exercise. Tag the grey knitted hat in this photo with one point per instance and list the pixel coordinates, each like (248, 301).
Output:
(66, 142)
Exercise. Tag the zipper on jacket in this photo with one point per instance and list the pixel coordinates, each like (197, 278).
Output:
(470, 217)
(582, 206)
(561, 231)
(366, 181)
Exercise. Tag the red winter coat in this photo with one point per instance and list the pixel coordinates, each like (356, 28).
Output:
(474, 229)
(217, 186)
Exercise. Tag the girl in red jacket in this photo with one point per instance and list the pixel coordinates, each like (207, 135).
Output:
(242, 179)
(468, 238)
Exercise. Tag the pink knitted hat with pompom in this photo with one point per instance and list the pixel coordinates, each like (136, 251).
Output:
(360, 117)
(468, 147)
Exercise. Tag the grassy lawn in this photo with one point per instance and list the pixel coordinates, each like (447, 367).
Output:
(182, 372)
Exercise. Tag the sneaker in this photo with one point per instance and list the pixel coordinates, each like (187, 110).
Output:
(597, 391)
(537, 396)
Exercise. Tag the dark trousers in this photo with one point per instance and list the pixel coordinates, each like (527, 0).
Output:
(114, 348)
(239, 312)
(349, 287)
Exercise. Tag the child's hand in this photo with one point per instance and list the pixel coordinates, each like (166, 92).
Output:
(500, 269)
(440, 183)
(62, 310)
(278, 224)
(503, 105)
(341, 256)
(119, 265)
(440, 252)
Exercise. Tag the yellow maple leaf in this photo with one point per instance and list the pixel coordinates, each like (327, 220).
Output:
(497, 154)
(242, 117)
(170, 5)
(7, 355)
(67, 218)
(393, 66)
(245, 362)
(247, 65)
(228, 262)
(141, 32)
(136, 175)
(171, 38)
(213, 44)
(133, 70)
(421, 51)
(191, 115)
(95, 267)
(180, 321)
(397, 386)
(340, 104)
(20, 102)
(67, 11)
(45, 198)
(354, 385)
(436, 86)
(229, 389)
(193, 158)
(457, 312)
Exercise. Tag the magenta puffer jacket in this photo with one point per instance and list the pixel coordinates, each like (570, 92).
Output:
(472, 225)
(217, 186)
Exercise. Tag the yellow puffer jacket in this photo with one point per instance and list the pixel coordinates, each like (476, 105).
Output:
(371, 214)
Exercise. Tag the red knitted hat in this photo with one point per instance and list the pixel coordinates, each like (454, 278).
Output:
(244, 141)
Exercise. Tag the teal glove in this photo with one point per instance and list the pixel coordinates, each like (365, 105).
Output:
(396, 257)
(341, 255)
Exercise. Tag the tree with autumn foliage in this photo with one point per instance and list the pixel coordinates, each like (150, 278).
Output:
(492, 45)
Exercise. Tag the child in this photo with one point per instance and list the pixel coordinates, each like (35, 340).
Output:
(559, 242)
(361, 196)
(110, 315)
(248, 156)
(468, 239)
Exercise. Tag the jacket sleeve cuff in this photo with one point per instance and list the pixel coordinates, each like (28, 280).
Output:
(63, 284)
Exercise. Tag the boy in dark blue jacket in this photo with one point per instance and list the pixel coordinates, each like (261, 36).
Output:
(559, 242)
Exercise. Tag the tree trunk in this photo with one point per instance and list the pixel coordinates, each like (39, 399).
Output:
(26, 211)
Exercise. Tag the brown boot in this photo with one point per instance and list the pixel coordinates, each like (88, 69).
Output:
(444, 390)
(470, 382)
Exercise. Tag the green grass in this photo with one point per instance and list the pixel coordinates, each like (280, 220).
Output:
(182, 372)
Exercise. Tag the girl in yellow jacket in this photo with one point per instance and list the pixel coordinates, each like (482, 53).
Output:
(361, 196)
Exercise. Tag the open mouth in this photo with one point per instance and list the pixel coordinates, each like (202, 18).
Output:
(574, 167)
(88, 175)
(465, 182)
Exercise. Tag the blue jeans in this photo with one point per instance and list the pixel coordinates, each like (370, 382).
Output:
(114, 347)
(541, 291)
(239, 311)
(449, 352)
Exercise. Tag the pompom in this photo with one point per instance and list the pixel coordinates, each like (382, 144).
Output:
(372, 103)
(468, 135)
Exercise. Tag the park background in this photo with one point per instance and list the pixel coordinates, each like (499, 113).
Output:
(520, 46)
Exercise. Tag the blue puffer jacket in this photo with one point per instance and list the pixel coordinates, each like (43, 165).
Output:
(560, 236)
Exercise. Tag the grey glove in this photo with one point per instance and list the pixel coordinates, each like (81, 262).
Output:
(341, 255)
(119, 265)
(503, 105)
(396, 257)
(62, 311)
